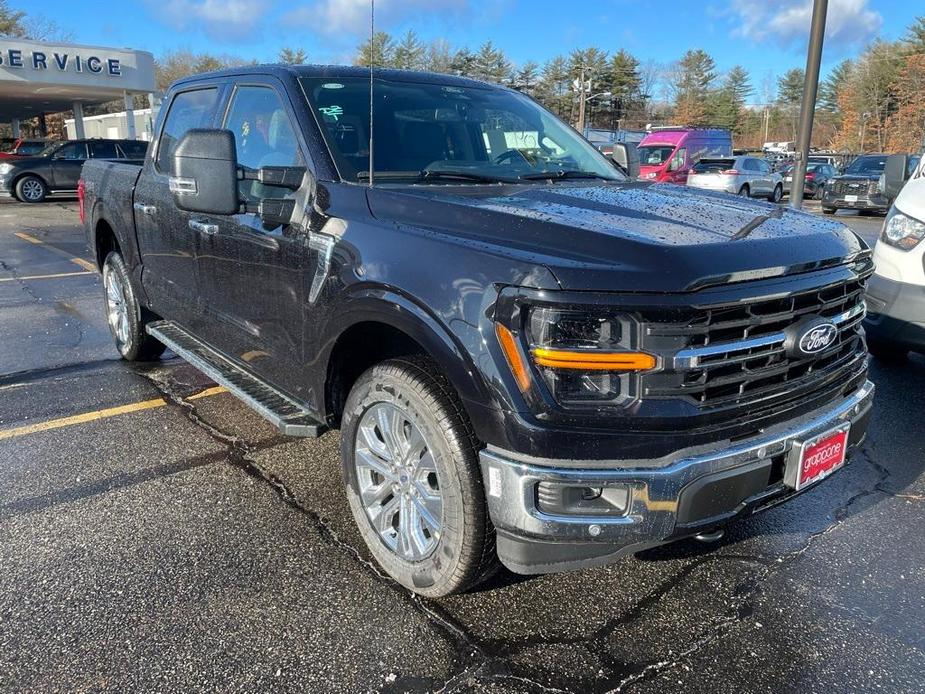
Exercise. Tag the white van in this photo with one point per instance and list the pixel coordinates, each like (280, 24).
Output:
(896, 293)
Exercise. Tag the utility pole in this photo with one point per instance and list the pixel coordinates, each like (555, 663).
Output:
(767, 122)
(808, 107)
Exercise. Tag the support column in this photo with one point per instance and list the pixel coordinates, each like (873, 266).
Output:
(43, 126)
(14, 123)
(129, 116)
(79, 121)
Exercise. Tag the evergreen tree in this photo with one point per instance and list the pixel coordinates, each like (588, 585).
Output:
(409, 53)
(554, 88)
(293, 56)
(833, 84)
(490, 64)
(526, 79)
(693, 76)
(378, 51)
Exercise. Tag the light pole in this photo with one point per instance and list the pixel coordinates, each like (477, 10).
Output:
(808, 107)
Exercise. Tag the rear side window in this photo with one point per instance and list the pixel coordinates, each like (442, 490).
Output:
(188, 110)
(713, 165)
(133, 149)
(750, 164)
(103, 149)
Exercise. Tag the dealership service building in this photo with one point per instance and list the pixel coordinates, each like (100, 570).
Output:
(37, 77)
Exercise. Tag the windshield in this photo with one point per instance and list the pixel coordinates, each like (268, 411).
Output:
(867, 165)
(49, 150)
(654, 155)
(426, 132)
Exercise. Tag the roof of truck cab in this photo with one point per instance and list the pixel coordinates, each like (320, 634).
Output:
(341, 72)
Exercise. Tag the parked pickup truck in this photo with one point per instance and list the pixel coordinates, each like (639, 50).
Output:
(529, 356)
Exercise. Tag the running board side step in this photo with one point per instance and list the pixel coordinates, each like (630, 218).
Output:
(291, 418)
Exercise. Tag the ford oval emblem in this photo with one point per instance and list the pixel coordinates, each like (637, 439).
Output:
(818, 338)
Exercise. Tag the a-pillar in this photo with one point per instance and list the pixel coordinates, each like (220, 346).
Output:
(79, 121)
(129, 116)
(14, 123)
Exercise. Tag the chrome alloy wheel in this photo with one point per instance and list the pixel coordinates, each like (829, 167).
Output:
(116, 306)
(398, 483)
(32, 189)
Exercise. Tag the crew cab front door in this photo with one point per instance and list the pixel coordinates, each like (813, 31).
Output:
(251, 272)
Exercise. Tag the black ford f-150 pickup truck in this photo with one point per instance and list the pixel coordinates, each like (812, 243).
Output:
(529, 356)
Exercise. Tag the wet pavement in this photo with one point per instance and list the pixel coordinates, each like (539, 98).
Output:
(156, 535)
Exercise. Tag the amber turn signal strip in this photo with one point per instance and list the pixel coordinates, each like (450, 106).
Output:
(593, 361)
(514, 358)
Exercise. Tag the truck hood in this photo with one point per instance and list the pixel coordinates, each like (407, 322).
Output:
(625, 236)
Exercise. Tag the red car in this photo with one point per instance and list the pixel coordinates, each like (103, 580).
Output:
(23, 148)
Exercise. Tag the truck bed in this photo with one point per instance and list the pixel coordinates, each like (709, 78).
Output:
(109, 190)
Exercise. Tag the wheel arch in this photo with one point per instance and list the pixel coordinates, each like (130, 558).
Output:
(389, 327)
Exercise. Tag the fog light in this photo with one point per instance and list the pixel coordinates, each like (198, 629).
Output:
(563, 499)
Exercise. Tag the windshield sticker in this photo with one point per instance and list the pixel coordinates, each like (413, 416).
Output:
(332, 111)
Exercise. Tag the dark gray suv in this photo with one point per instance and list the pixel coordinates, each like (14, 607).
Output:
(56, 169)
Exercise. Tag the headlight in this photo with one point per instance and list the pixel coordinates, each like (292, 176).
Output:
(902, 231)
(5, 169)
(584, 358)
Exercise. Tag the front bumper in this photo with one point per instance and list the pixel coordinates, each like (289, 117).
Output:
(896, 312)
(694, 492)
(864, 201)
(6, 189)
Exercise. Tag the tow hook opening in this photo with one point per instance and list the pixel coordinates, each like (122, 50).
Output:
(710, 536)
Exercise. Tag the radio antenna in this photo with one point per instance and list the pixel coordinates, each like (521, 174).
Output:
(372, 60)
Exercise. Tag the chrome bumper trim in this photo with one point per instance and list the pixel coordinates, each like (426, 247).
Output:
(510, 485)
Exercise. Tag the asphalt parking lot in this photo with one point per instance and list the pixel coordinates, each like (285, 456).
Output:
(156, 535)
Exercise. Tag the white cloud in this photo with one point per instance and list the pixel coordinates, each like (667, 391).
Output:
(223, 20)
(787, 22)
(352, 16)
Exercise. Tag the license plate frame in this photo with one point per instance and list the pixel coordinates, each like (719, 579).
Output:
(799, 471)
(851, 198)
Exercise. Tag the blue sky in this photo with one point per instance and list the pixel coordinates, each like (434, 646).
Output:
(766, 36)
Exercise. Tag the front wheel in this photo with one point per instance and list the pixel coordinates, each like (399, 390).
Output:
(828, 210)
(31, 189)
(412, 477)
(777, 194)
(126, 317)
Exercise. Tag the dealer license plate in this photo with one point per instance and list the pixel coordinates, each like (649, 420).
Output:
(851, 198)
(817, 458)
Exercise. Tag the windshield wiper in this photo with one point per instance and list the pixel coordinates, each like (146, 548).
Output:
(559, 174)
(432, 174)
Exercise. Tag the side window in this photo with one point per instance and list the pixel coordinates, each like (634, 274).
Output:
(677, 161)
(763, 166)
(103, 149)
(133, 149)
(75, 150)
(188, 110)
(263, 135)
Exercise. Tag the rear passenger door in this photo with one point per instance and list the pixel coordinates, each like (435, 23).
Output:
(167, 244)
(66, 164)
(253, 273)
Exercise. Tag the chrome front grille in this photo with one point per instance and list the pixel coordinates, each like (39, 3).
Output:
(731, 352)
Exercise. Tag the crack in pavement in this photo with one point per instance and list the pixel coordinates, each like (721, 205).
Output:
(238, 451)
(744, 609)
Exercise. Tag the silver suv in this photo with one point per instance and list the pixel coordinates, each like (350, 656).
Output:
(746, 176)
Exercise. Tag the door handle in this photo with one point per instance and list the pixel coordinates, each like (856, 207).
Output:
(203, 227)
(144, 209)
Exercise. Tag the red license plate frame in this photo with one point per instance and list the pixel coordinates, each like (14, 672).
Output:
(818, 457)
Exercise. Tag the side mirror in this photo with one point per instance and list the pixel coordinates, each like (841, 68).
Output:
(895, 174)
(626, 158)
(204, 172)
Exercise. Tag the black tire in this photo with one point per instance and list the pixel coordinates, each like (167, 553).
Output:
(828, 210)
(464, 551)
(777, 194)
(31, 189)
(888, 352)
(819, 193)
(133, 343)
(744, 191)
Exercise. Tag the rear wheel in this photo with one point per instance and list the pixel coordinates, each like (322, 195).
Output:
(777, 194)
(828, 210)
(413, 481)
(744, 192)
(126, 317)
(31, 188)
(819, 193)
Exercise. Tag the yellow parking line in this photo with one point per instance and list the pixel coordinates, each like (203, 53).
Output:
(86, 265)
(45, 277)
(99, 414)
